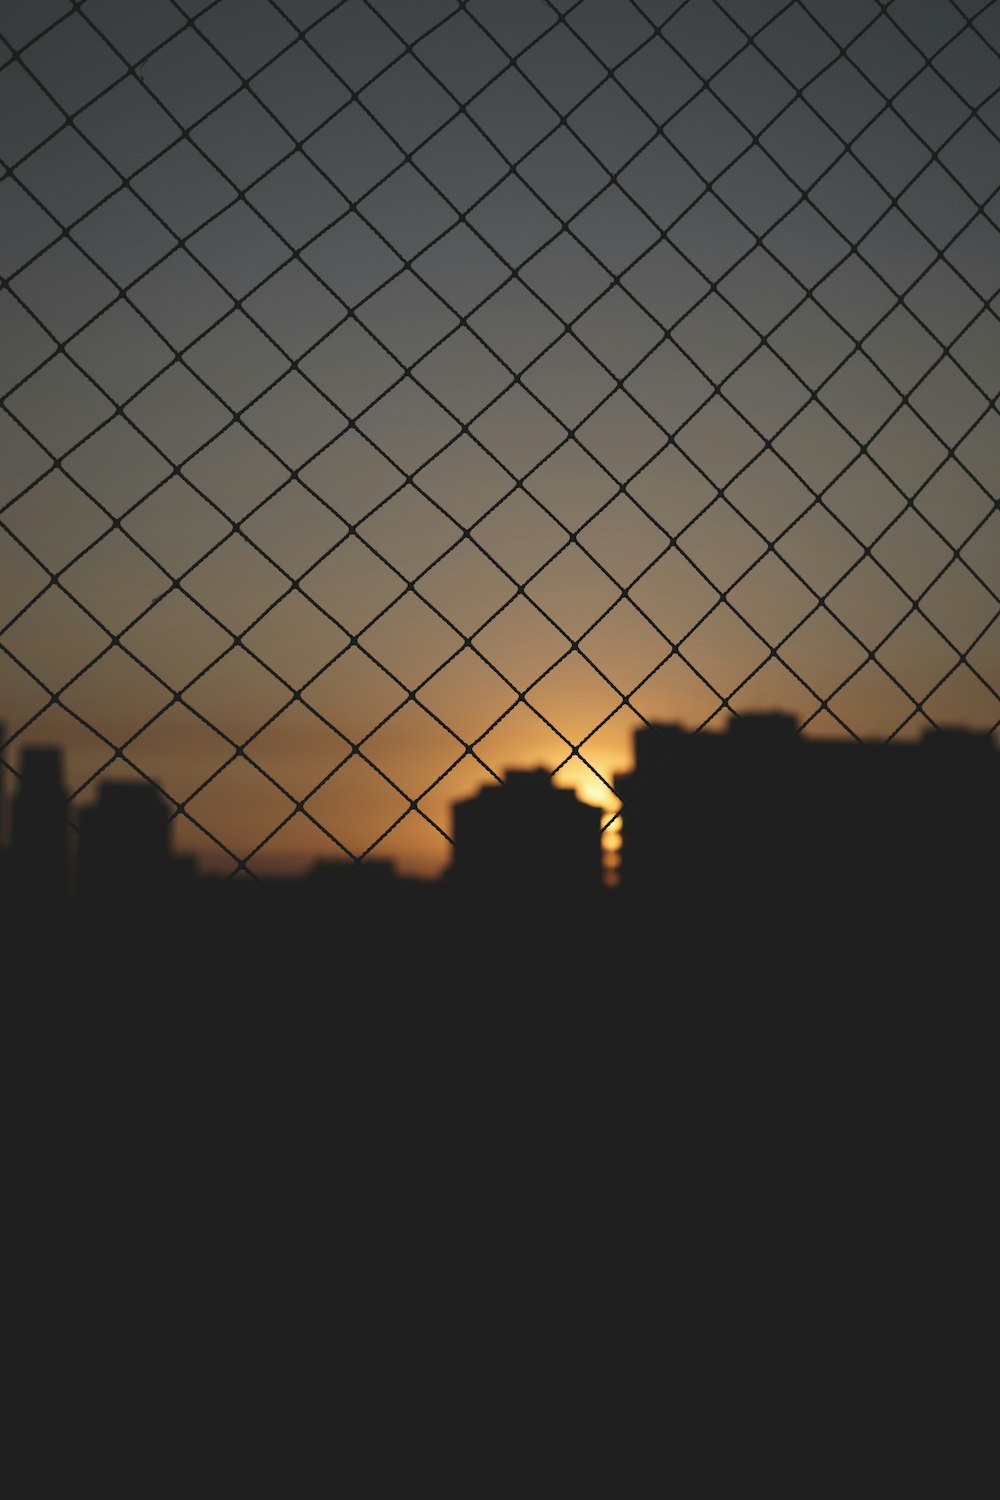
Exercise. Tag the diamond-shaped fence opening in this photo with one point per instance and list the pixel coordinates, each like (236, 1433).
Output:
(393, 394)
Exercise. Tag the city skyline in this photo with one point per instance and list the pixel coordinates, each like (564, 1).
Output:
(525, 804)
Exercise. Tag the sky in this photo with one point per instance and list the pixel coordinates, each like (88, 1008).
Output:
(397, 392)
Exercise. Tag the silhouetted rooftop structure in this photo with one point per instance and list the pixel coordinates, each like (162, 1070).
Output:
(124, 840)
(526, 843)
(730, 822)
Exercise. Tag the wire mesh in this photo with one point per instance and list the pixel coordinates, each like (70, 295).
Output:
(391, 389)
(395, 388)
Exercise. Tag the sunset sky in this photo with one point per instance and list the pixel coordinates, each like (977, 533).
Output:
(396, 392)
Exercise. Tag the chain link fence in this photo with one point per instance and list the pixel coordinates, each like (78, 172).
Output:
(392, 391)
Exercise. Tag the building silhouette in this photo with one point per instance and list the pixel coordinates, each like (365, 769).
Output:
(39, 835)
(4, 854)
(528, 848)
(3, 787)
(127, 881)
(124, 842)
(797, 913)
(724, 828)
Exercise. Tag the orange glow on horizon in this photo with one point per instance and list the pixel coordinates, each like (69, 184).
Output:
(242, 808)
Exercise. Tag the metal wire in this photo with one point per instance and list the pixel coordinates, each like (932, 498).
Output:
(844, 48)
(843, 40)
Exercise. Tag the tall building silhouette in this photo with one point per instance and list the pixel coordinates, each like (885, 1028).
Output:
(39, 833)
(4, 851)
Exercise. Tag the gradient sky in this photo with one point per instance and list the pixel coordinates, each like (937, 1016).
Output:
(388, 378)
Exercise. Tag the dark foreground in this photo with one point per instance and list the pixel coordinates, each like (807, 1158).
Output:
(299, 1200)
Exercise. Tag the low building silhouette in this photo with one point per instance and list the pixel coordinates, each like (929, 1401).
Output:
(124, 843)
(524, 845)
(127, 882)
